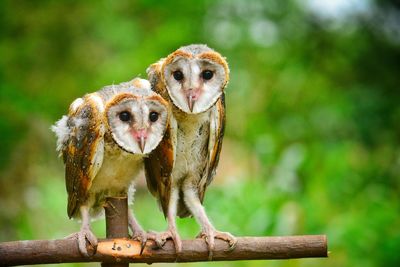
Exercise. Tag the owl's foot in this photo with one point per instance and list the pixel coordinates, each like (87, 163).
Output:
(85, 234)
(210, 234)
(162, 237)
(141, 236)
(137, 232)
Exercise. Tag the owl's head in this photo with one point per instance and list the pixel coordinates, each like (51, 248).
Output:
(195, 77)
(137, 119)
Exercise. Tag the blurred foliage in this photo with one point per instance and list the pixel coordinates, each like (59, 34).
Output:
(312, 142)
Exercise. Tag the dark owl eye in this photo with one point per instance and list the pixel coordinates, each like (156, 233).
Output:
(207, 74)
(178, 75)
(124, 116)
(153, 116)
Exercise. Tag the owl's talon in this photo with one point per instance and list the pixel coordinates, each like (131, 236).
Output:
(161, 238)
(142, 246)
(232, 241)
(157, 238)
(201, 235)
(141, 236)
(232, 245)
(210, 255)
(209, 237)
(86, 235)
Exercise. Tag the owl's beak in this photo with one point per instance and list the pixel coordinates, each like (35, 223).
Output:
(192, 96)
(140, 136)
(142, 143)
(190, 102)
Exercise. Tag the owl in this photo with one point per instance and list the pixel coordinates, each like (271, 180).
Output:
(103, 141)
(193, 80)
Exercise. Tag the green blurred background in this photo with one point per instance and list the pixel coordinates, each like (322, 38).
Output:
(313, 126)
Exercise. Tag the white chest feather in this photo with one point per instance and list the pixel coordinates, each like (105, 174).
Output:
(117, 172)
(192, 146)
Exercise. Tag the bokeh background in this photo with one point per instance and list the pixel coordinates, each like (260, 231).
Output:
(313, 126)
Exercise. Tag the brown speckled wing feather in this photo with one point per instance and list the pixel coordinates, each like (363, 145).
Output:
(158, 168)
(215, 145)
(82, 153)
(158, 165)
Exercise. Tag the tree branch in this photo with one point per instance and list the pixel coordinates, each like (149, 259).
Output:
(126, 250)
(116, 250)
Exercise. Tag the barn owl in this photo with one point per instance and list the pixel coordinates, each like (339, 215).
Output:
(103, 141)
(178, 172)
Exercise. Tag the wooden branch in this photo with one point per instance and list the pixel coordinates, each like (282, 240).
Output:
(117, 251)
(126, 250)
(116, 213)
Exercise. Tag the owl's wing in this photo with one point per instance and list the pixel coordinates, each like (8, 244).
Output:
(82, 152)
(159, 164)
(217, 130)
(154, 77)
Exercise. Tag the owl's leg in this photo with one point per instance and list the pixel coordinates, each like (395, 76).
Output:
(137, 231)
(86, 233)
(172, 231)
(208, 232)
